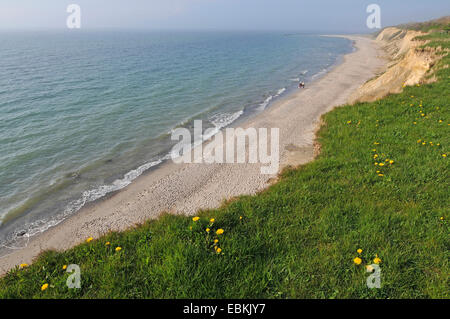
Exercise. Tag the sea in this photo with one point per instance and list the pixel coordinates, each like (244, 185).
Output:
(84, 113)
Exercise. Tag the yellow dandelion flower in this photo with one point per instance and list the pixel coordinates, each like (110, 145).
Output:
(216, 241)
(64, 267)
(218, 250)
(376, 164)
(357, 261)
(89, 239)
(444, 155)
(440, 121)
(118, 248)
(381, 175)
(422, 114)
(240, 217)
(196, 219)
(220, 231)
(415, 123)
(381, 164)
(44, 287)
(359, 251)
(377, 260)
(208, 230)
(23, 265)
(391, 162)
(442, 218)
(212, 220)
(107, 243)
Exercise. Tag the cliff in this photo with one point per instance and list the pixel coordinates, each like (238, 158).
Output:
(410, 64)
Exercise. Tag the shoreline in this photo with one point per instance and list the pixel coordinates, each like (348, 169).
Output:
(16, 231)
(187, 188)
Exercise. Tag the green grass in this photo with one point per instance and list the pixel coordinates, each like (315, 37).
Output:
(433, 25)
(436, 39)
(297, 239)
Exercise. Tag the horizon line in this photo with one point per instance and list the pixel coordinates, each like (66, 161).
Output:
(90, 29)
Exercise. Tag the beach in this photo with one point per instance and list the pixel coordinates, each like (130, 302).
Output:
(186, 188)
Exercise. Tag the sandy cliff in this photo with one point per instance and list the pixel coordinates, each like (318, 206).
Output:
(409, 65)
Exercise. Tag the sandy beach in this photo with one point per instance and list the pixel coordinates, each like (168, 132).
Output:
(186, 188)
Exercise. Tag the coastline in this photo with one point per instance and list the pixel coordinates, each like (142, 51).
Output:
(188, 187)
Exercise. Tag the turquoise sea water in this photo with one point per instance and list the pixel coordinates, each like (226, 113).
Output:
(82, 114)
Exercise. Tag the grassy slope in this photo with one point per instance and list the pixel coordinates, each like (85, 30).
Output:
(299, 238)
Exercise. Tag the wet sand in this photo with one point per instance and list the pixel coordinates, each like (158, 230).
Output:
(186, 188)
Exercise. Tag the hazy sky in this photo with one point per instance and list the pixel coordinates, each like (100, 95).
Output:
(312, 15)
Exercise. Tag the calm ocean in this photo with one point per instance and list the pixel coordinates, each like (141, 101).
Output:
(82, 114)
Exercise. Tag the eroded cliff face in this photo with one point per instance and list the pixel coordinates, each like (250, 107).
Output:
(408, 65)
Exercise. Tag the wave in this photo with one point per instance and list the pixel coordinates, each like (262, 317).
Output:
(267, 101)
(302, 73)
(280, 91)
(319, 73)
(218, 121)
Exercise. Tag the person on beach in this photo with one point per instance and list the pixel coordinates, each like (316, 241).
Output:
(301, 85)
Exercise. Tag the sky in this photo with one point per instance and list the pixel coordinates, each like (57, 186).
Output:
(293, 15)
